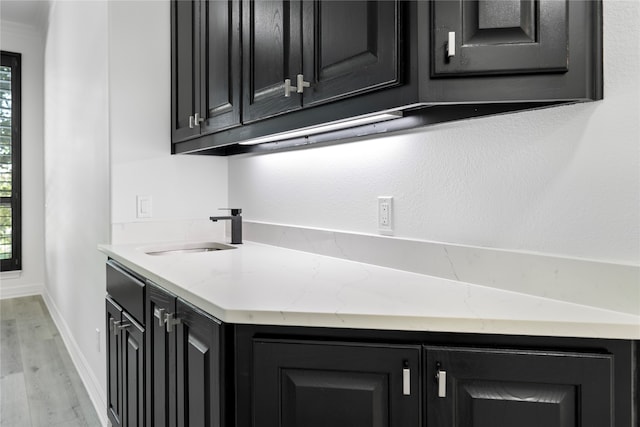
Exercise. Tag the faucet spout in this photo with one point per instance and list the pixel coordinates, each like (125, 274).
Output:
(236, 224)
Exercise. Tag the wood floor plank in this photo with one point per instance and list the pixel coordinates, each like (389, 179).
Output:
(7, 310)
(52, 389)
(86, 406)
(14, 406)
(10, 354)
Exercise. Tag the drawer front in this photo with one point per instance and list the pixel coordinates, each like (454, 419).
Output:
(126, 289)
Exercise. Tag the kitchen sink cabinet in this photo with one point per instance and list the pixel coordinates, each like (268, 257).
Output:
(183, 363)
(298, 54)
(316, 384)
(502, 388)
(205, 67)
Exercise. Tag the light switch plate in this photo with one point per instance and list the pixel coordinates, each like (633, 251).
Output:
(143, 207)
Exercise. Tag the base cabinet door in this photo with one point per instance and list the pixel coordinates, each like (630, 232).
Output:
(318, 384)
(125, 368)
(183, 363)
(198, 368)
(114, 365)
(161, 378)
(494, 388)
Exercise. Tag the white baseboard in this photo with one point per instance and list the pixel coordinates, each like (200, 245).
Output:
(17, 291)
(88, 377)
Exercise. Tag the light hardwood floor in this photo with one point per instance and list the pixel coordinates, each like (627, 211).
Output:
(39, 385)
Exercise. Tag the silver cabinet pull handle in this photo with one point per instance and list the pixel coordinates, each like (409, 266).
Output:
(301, 83)
(406, 382)
(191, 122)
(442, 383)
(158, 313)
(288, 88)
(451, 45)
(170, 321)
(197, 119)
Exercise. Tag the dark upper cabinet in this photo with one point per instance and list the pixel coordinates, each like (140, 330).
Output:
(205, 67)
(349, 47)
(272, 52)
(512, 50)
(125, 368)
(299, 54)
(183, 363)
(494, 388)
(316, 384)
(185, 68)
(499, 37)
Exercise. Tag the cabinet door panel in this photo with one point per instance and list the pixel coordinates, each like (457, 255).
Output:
(493, 388)
(271, 54)
(317, 384)
(198, 368)
(185, 67)
(114, 370)
(500, 36)
(349, 47)
(133, 368)
(221, 70)
(161, 377)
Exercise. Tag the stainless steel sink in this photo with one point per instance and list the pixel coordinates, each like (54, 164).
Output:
(185, 248)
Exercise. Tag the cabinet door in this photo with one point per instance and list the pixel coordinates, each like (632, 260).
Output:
(499, 37)
(271, 49)
(493, 388)
(349, 47)
(114, 364)
(161, 353)
(132, 336)
(185, 68)
(198, 368)
(316, 384)
(220, 65)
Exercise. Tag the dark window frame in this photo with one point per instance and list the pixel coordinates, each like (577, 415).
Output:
(14, 60)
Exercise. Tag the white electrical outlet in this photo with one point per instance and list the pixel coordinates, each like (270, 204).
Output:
(385, 214)
(143, 206)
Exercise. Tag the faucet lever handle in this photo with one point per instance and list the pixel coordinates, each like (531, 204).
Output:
(234, 211)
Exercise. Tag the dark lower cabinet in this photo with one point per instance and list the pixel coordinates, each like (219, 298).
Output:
(125, 368)
(495, 388)
(184, 382)
(316, 384)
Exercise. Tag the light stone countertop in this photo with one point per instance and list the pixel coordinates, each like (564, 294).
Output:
(262, 284)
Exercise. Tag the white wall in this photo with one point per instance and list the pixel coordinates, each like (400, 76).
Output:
(29, 41)
(77, 181)
(562, 181)
(185, 190)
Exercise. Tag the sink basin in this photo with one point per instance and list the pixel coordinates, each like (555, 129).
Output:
(185, 248)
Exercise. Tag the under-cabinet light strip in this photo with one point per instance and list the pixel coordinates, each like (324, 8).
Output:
(313, 130)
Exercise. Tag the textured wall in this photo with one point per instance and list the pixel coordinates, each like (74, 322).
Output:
(560, 181)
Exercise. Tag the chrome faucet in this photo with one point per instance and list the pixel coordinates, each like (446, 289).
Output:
(236, 224)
